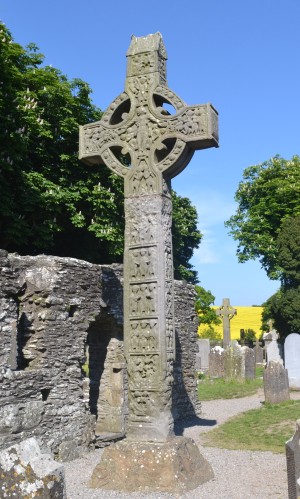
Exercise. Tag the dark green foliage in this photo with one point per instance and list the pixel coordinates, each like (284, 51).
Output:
(50, 202)
(284, 305)
(268, 194)
(186, 237)
(249, 336)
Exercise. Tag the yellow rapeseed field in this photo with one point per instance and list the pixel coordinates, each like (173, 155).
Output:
(246, 318)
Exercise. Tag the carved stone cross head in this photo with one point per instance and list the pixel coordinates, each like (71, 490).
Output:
(137, 136)
(226, 311)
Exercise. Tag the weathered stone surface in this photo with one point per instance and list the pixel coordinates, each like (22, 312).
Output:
(272, 347)
(292, 359)
(292, 449)
(259, 353)
(276, 383)
(249, 362)
(234, 362)
(216, 363)
(27, 473)
(202, 357)
(174, 466)
(60, 389)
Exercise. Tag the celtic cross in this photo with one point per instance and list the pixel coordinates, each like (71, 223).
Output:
(226, 312)
(141, 141)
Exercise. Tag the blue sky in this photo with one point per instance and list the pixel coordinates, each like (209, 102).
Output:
(240, 55)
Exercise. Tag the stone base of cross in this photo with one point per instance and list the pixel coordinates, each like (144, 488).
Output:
(138, 139)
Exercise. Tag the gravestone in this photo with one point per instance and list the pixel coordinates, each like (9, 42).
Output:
(259, 353)
(249, 362)
(157, 146)
(292, 359)
(226, 312)
(202, 357)
(292, 451)
(216, 365)
(276, 383)
(26, 473)
(272, 347)
(234, 362)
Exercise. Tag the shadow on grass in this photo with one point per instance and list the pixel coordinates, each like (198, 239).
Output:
(180, 426)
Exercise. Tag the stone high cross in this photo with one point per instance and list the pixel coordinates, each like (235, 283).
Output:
(226, 312)
(156, 146)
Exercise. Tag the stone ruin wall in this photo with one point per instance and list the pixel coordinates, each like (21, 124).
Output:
(62, 369)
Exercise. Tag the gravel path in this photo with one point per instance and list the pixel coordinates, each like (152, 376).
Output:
(238, 474)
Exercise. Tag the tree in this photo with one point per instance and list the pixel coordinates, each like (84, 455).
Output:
(51, 202)
(284, 305)
(206, 313)
(268, 194)
(186, 237)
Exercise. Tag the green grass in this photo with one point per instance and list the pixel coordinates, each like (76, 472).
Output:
(264, 429)
(219, 388)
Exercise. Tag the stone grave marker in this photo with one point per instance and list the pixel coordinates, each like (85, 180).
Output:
(157, 145)
(25, 472)
(216, 365)
(249, 362)
(226, 312)
(234, 362)
(259, 353)
(292, 451)
(202, 357)
(272, 347)
(292, 359)
(276, 383)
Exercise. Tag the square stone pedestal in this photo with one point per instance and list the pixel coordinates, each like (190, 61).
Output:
(173, 466)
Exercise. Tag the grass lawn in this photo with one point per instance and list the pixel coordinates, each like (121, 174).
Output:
(218, 388)
(264, 429)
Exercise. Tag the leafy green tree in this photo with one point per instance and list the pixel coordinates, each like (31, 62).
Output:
(49, 201)
(288, 246)
(284, 305)
(186, 237)
(210, 333)
(268, 194)
(206, 313)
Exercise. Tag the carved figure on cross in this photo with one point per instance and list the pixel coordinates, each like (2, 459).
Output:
(226, 312)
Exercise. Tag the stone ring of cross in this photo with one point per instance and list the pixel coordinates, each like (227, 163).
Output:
(148, 130)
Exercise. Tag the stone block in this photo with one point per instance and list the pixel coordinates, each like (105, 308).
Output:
(276, 383)
(292, 359)
(27, 473)
(292, 450)
(203, 354)
(174, 466)
(216, 363)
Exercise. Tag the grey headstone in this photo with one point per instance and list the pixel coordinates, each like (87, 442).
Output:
(292, 359)
(202, 357)
(276, 383)
(234, 362)
(249, 360)
(216, 365)
(273, 348)
(292, 450)
(259, 353)
(26, 472)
